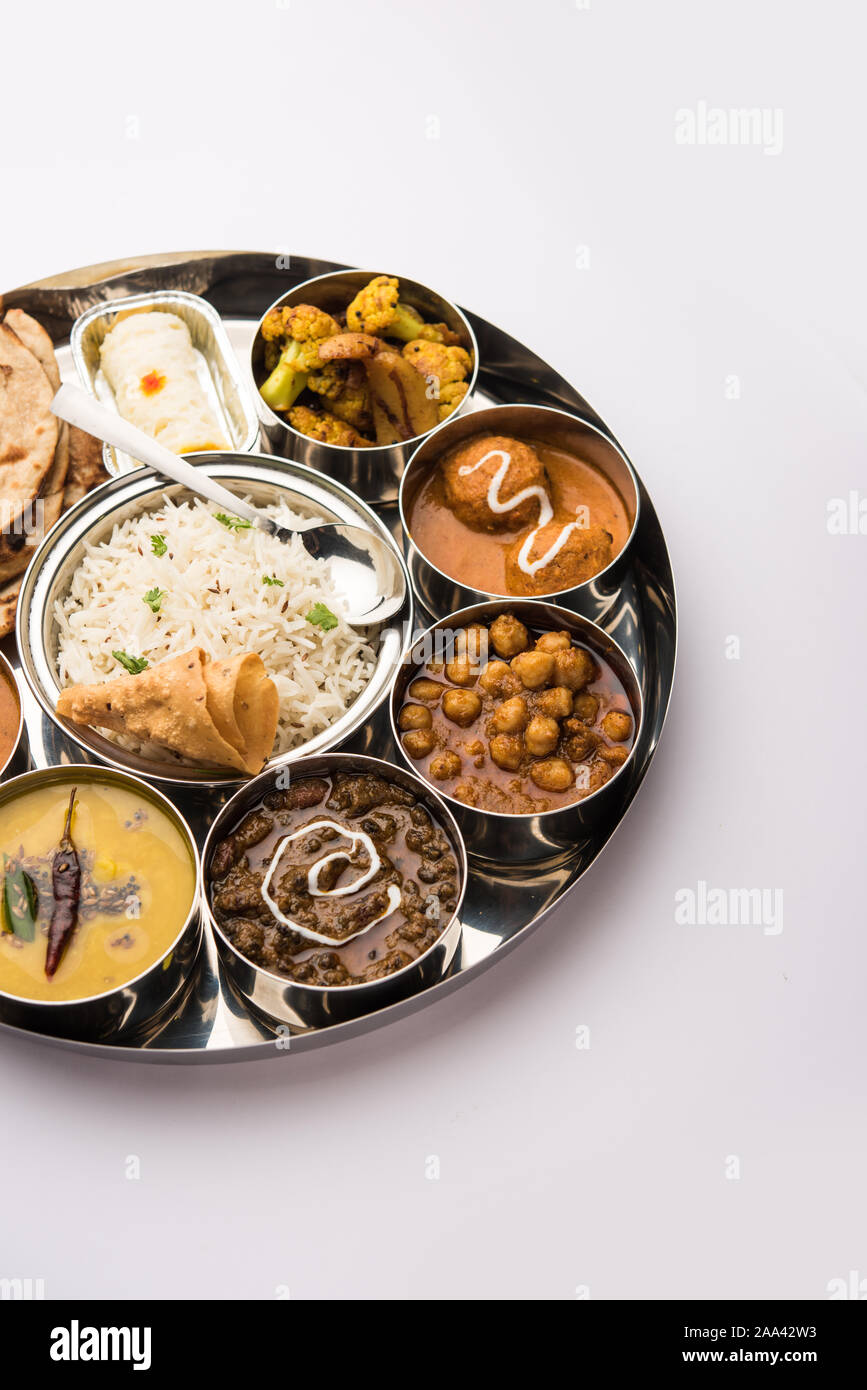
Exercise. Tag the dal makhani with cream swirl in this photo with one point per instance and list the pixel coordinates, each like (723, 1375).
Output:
(335, 880)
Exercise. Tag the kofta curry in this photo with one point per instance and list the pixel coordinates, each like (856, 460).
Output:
(513, 516)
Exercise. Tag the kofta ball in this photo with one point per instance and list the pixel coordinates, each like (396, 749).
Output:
(469, 472)
(585, 551)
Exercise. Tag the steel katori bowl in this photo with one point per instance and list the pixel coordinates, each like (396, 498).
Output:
(442, 593)
(145, 1001)
(301, 1006)
(372, 473)
(265, 480)
(18, 758)
(496, 836)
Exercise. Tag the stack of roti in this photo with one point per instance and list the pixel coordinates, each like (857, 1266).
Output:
(217, 713)
(45, 465)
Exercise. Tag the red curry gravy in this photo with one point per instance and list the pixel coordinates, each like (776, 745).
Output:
(478, 558)
(10, 716)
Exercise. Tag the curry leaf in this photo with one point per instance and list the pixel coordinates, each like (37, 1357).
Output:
(20, 903)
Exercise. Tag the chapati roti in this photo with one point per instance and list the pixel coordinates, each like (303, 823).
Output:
(28, 439)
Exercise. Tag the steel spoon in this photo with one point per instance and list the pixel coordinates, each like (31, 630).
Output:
(366, 573)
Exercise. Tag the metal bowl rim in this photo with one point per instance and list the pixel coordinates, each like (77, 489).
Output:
(91, 772)
(571, 616)
(165, 773)
(10, 676)
(352, 761)
(377, 449)
(550, 410)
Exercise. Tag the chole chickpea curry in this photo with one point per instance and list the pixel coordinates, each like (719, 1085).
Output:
(517, 517)
(97, 883)
(514, 722)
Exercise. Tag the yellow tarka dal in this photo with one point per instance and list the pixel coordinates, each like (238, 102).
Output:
(137, 886)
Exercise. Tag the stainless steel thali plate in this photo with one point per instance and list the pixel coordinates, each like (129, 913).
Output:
(502, 906)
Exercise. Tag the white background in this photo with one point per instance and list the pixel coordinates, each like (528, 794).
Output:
(305, 127)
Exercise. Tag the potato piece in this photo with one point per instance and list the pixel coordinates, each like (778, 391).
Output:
(507, 751)
(617, 725)
(552, 775)
(401, 407)
(541, 735)
(462, 707)
(414, 717)
(511, 716)
(419, 742)
(348, 347)
(616, 756)
(509, 636)
(534, 669)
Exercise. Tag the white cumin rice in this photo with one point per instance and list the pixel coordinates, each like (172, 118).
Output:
(214, 598)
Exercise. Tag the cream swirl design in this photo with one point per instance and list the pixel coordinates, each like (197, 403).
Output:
(494, 501)
(546, 511)
(357, 838)
(532, 567)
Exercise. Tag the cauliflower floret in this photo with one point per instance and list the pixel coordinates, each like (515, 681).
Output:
(354, 405)
(304, 322)
(444, 368)
(373, 308)
(451, 397)
(302, 327)
(327, 380)
(378, 310)
(445, 364)
(326, 428)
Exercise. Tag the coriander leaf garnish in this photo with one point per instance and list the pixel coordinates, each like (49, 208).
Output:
(321, 616)
(272, 579)
(158, 544)
(153, 598)
(134, 664)
(233, 523)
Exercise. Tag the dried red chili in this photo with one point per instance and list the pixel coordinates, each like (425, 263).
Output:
(66, 885)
